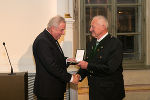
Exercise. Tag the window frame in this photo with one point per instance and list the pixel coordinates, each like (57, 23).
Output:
(127, 64)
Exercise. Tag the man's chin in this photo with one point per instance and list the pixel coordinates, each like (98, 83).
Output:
(93, 35)
(58, 38)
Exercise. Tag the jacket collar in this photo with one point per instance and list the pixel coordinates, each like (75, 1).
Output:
(51, 38)
(48, 34)
(104, 40)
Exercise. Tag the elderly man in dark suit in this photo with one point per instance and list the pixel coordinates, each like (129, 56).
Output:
(51, 68)
(103, 63)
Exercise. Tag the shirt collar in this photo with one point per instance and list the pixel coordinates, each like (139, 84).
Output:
(98, 40)
(47, 30)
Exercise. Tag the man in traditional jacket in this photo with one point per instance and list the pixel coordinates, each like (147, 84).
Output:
(103, 63)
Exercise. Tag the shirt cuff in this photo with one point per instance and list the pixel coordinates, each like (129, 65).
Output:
(71, 78)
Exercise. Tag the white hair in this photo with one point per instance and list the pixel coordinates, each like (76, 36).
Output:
(55, 21)
(100, 17)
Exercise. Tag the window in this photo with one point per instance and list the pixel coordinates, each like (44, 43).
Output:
(126, 22)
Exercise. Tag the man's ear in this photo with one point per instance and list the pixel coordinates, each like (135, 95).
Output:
(53, 28)
(104, 27)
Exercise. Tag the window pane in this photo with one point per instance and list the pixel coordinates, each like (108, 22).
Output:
(127, 1)
(128, 43)
(131, 46)
(88, 39)
(96, 1)
(126, 19)
(93, 11)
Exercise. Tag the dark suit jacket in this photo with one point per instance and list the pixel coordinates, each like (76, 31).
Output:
(51, 69)
(104, 70)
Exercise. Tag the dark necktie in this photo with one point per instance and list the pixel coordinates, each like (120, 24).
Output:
(59, 47)
(94, 49)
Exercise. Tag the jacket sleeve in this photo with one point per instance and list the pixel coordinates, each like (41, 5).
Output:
(83, 73)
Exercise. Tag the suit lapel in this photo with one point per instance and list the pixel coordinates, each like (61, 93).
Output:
(54, 42)
(100, 46)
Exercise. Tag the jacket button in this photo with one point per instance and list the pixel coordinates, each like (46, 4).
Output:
(100, 57)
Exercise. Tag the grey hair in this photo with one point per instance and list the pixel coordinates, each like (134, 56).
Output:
(103, 18)
(55, 21)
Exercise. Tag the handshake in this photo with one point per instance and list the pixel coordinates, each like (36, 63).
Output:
(82, 65)
(76, 78)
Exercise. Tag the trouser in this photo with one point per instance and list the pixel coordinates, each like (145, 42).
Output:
(105, 93)
(43, 98)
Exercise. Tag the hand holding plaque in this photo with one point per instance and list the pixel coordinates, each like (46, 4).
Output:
(79, 57)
